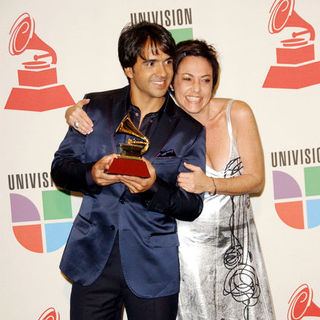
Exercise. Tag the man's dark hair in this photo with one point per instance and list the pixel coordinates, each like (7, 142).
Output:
(197, 48)
(133, 38)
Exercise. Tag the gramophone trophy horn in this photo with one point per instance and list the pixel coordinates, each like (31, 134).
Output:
(130, 162)
(138, 147)
(301, 304)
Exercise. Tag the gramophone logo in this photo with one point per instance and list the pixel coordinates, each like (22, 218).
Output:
(38, 85)
(296, 66)
(301, 304)
(50, 314)
(298, 207)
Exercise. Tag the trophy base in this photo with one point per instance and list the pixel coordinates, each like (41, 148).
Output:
(32, 99)
(295, 77)
(129, 167)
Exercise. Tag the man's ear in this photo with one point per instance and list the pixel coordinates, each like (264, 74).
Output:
(129, 72)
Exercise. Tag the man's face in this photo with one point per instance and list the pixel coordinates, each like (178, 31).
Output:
(150, 77)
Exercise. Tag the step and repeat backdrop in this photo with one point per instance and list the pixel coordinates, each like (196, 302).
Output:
(52, 54)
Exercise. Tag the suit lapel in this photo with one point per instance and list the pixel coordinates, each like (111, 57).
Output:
(165, 129)
(116, 114)
(119, 110)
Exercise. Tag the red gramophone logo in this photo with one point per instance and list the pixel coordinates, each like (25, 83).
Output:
(50, 314)
(301, 304)
(38, 85)
(296, 66)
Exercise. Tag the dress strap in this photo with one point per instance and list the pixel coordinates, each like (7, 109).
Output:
(229, 119)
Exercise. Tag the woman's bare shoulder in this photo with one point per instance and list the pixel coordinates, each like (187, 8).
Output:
(239, 107)
(241, 111)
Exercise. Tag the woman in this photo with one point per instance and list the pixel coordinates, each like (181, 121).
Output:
(222, 271)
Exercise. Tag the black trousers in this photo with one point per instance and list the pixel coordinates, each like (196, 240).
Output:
(105, 298)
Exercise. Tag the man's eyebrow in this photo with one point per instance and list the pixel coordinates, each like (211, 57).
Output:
(153, 60)
(148, 60)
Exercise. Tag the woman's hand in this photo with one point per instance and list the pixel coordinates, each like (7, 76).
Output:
(195, 181)
(78, 119)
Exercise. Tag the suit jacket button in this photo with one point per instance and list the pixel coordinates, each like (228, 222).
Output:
(121, 201)
(112, 227)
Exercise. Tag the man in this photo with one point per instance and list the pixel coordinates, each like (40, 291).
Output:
(123, 245)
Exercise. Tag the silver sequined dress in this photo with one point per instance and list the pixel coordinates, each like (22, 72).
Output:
(221, 266)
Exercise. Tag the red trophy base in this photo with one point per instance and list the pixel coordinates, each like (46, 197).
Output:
(295, 77)
(32, 99)
(129, 167)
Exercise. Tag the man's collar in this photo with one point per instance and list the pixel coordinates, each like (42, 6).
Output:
(165, 107)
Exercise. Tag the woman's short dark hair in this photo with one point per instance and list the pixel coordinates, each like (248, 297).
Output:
(197, 48)
(133, 38)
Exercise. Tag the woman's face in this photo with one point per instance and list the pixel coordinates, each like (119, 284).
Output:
(193, 84)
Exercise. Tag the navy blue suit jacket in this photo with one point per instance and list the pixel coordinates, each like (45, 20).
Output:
(145, 222)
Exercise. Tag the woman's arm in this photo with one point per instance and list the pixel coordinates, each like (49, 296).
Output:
(79, 119)
(246, 133)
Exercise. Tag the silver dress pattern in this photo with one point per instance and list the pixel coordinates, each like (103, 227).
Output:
(221, 265)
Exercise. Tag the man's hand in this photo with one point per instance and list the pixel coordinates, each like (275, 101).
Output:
(136, 184)
(100, 168)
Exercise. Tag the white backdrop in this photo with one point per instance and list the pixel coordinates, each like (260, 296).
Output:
(84, 37)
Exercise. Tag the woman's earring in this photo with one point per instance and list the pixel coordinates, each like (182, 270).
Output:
(171, 88)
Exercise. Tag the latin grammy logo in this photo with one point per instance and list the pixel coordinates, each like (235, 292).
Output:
(38, 85)
(50, 314)
(296, 66)
(301, 304)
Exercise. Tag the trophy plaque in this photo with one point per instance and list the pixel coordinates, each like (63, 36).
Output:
(129, 162)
